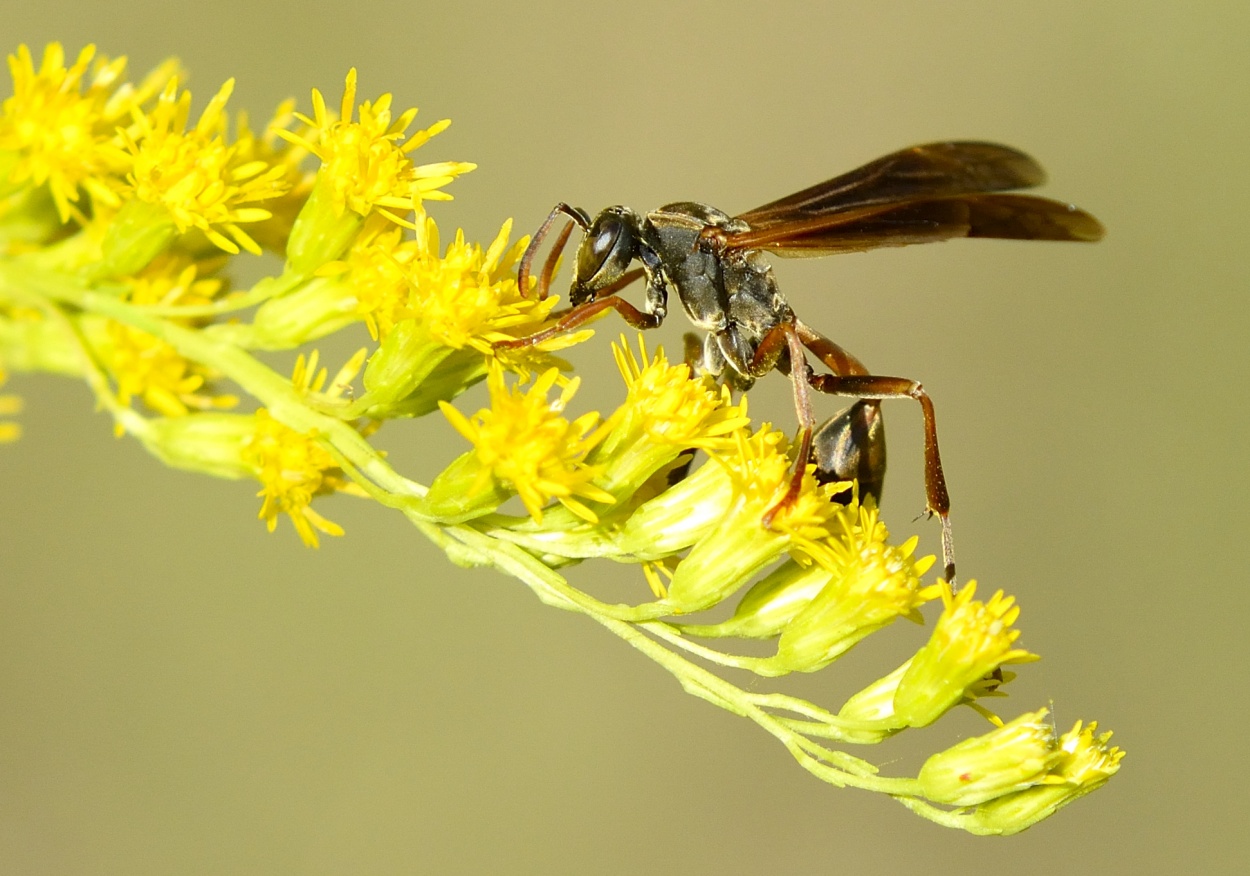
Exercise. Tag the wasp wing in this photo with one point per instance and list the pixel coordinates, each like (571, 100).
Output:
(929, 171)
(937, 191)
(1005, 216)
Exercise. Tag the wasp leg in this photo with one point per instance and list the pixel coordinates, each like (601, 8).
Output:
(780, 338)
(584, 313)
(523, 269)
(857, 383)
(851, 444)
(549, 264)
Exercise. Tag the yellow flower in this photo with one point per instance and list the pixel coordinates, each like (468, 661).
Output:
(872, 583)
(467, 296)
(667, 406)
(61, 124)
(970, 640)
(295, 468)
(461, 298)
(375, 270)
(292, 469)
(1085, 760)
(195, 176)
(147, 368)
(522, 439)
(366, 163)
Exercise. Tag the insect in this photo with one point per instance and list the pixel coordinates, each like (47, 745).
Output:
(716, 265)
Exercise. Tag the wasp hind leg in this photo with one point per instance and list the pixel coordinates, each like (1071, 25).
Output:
(850, 378)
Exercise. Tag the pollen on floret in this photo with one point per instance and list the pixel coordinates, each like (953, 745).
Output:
(61, 123)
(200, 179)
(466, 297)
(971, 640)
(293, 469)
(759, 466)
(148, 368)
(670, 405)
(1089, 758)
(364, 153)
(524, 440)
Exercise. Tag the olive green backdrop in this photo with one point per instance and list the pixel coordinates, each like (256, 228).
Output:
(183, 693)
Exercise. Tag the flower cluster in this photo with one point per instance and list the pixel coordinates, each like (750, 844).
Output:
(120, 215)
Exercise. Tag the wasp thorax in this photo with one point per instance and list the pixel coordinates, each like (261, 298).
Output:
(605, 252)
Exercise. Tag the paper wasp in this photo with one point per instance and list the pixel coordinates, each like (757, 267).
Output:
(716, 265)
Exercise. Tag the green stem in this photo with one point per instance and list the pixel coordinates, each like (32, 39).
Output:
(637, 625)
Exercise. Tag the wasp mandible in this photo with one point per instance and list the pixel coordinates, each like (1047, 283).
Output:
(716, 265)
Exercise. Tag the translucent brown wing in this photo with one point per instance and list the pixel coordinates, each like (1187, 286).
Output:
(1006, 216)
(928, 171)
(926, 193)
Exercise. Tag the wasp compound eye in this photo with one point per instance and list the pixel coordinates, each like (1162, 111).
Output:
(595, 252)
(604, 254)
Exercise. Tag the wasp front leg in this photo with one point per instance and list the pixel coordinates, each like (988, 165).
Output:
(581, 314)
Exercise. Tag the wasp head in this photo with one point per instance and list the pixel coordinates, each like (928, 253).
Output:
(603, 256)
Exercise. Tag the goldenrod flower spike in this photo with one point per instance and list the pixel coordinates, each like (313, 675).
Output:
(124, 218)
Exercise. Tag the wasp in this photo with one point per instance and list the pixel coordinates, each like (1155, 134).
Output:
(716, 264)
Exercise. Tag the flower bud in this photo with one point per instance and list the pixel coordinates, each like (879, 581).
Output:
(678, 517)
(403, 361)
(211, 443)
(317, 308)
(137, 234)
(1086, 761)
(323, 230)
(1005, 760)
(970, 640)
(771, 603)
(725, 559)
(464, 490)
(868, 716)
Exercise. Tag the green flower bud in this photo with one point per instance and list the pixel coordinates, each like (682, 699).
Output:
(211, 443)
(452, 376)
(868, 716)
(405, 359)
(770, 604)
(317, 308)
(1005, 760)
(39, 345)
(724, 560)
(678, 517)
(1086, 761)
(321, 232)
(464, 490)
(138, 233)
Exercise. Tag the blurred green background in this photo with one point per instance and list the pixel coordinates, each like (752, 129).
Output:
(181, 692)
